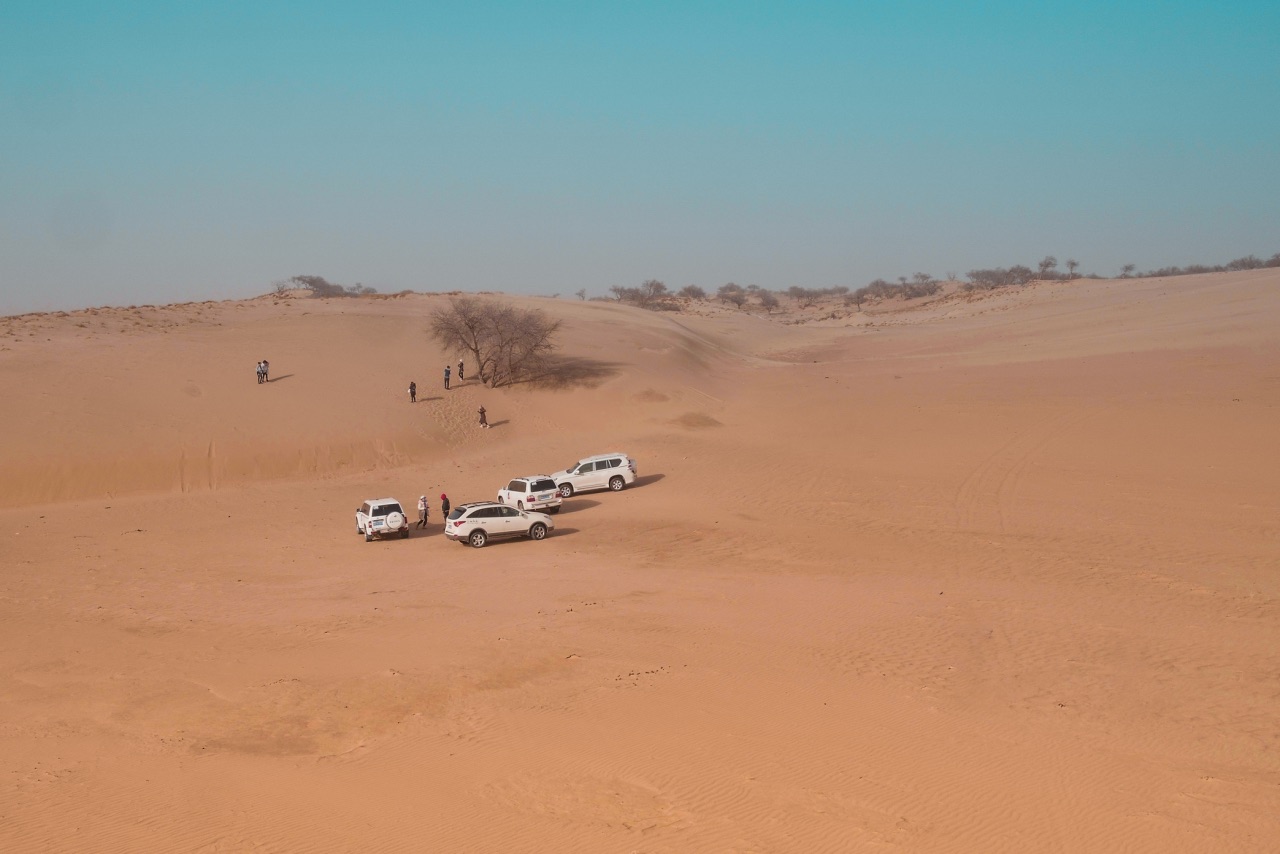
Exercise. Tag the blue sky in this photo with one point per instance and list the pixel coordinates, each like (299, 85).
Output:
(158, 152)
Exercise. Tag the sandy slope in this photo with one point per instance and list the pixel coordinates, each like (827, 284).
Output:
(995, 574)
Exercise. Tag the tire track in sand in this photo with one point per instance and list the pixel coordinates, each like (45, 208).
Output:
(985, 497)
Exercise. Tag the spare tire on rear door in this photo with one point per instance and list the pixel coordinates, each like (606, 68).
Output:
(395, 521)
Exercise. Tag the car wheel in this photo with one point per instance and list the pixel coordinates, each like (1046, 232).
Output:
(616, 483)
(553, 510)
(368, 538)
(538, 531)
(566, 490)
(477, 539)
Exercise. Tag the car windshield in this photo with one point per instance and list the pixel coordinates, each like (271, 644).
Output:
(384, 509)
(539, 485)
(572, 467)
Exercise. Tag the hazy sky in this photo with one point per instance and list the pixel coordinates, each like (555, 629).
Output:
(159, 152)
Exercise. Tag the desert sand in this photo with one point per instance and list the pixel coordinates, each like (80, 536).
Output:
(996, 573)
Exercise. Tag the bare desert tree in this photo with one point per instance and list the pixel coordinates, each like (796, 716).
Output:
(1072, 265)
(651, 294)
(1127, 270)
(507, 344)
(651, 290)
(804, 296)
(1047, 266)
(580, 293)
(693, 292)
(767, 300)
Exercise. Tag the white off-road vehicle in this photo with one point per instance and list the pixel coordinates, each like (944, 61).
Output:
(476, 523)
(536, 492)
(603, 471)
(381, 517)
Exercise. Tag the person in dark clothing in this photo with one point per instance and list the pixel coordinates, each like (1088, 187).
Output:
(484, 418)
(460, 376)
(266, 371)
(413, 392)
(444, 507)
(446, 377)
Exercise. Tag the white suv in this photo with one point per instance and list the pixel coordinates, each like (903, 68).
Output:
(603, 471)
(537, 492)
(475, 524)
(381, 517)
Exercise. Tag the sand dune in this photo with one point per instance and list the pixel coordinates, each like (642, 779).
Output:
(995, 573)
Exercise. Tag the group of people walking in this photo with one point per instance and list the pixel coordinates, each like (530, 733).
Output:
(263, 372)
(424, 509)
(448, 375)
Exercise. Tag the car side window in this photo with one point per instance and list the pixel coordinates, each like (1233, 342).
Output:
(586, 467)
(508, 511)
(515, 486)
(613, 464)
(364, 508)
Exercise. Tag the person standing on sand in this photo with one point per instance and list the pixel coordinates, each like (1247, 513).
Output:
(444, 508)
(413, 392)
(259, 372)
(423, 510)
(460, 376)
(484, 418)
(446, 377)
(266, 371)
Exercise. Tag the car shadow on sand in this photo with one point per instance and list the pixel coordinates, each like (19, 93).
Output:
(497, 542)
(646, 480)
(575, 505)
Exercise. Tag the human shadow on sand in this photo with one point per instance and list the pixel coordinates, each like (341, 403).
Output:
(499, 423)
(564, 372)
(281, 377)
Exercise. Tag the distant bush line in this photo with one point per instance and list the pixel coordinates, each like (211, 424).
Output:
(999, 277)
(655, 296)
(1248, 262)
(321, 287)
